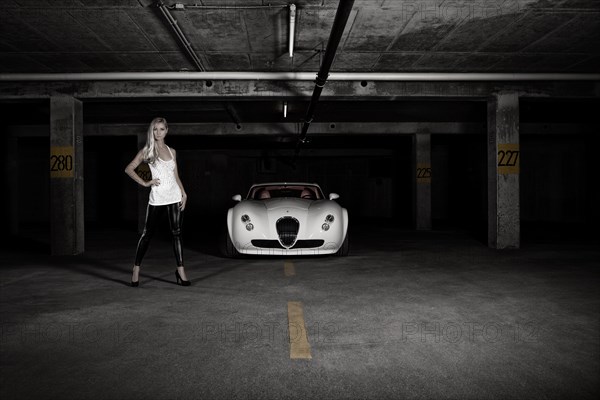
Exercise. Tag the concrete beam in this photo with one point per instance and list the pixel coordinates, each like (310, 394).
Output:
(292, 129)
(66, 176)
(422, 175)
(240, 89)
(504, 229)
(332, 128)
(256, 90)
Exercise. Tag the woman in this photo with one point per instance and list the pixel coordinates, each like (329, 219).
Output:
(166, 194)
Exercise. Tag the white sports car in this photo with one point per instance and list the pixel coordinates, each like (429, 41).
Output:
(286, 219)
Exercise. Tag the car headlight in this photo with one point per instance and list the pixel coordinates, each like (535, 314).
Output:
(246, 220)
(328, 220)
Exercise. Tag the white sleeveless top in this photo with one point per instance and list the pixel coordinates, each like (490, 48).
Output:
(168, 191)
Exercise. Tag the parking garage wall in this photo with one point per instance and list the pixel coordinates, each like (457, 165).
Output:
(558, 175)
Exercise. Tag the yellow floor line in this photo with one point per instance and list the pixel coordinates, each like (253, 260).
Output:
(288, 268)
(299, 346)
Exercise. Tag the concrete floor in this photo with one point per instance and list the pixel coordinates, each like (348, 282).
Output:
(406, 315)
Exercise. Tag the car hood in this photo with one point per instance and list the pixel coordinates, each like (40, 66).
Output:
(287, 203)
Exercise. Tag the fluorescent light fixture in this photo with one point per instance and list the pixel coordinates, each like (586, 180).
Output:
(292, 28)
(285, 109)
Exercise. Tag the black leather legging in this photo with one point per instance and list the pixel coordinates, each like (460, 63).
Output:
(153, 214)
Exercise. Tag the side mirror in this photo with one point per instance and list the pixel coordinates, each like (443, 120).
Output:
(333, 196)
(237, 197)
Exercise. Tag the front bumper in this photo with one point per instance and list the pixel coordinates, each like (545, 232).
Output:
(274, 248)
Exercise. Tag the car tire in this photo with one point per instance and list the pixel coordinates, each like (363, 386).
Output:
(345, 248)
(229, 249)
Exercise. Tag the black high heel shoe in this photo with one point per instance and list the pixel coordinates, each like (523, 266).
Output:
(178, 278)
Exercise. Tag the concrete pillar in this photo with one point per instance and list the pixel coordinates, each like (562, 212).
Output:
(422, 180)
(504, 230)
(144, 172)
(12, 181)
(66, 176)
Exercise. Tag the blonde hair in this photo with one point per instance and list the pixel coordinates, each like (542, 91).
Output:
(150, 151)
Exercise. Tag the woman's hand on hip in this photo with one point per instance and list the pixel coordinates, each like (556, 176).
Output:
(182, 202)
(153, 182)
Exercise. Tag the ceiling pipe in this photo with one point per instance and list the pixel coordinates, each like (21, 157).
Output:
(299, 76)
(339, 23)
(180, 35)
(181, 6)
(292, 28)
(234, 115)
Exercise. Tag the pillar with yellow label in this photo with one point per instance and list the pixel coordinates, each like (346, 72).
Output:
(504, 221)
(422, 180)
(66, 176)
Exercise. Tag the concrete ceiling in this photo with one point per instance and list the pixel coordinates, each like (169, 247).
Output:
(41, 36)
(381, 36)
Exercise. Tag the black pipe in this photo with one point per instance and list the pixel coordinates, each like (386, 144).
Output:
(180, 35)
(233, 114)
(339, 24)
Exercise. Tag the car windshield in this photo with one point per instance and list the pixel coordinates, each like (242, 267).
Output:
(308, 192)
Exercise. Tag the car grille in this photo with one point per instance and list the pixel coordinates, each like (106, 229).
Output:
(300, 244)
(267, 244)
(307, 244)
(287, 230)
